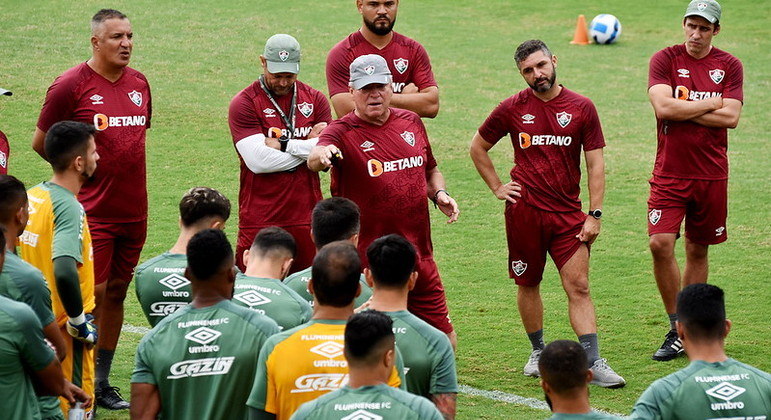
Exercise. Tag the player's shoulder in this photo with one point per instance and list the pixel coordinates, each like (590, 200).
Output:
(162, 259)
(256, 320)
(725, 56)
(20, 269)
(74, 76)
(248, 93)
(435, 338)
(576, 98)
(405, 41)
(307, 89)
(416, 403)
(135, 74)
(671, 51)
(406, 114)
(743, 366)
(298, 276)
(20, 314)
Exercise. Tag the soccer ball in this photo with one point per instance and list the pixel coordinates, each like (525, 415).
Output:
(605, 29)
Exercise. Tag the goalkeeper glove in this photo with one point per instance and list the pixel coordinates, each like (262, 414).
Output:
(82, 328)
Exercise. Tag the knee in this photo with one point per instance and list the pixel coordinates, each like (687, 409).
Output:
(661, 247)
(116, 289)
(578, 289)
(695, 251)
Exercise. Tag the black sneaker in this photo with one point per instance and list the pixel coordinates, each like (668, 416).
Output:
(671, 348)
(109, 397)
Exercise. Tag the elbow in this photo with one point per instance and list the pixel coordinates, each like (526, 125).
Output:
(733, 122)
(431, 111)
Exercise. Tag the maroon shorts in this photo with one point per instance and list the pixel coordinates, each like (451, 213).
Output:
(117, 247)
(702, 203)
(532, 232)
(306, 250)
(427, 300)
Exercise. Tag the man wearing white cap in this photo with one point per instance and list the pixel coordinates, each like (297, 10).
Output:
(275, 122)
(381, 160)
(5, 148)
(696, 93)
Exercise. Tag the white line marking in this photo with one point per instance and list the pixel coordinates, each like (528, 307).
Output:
(465, 389)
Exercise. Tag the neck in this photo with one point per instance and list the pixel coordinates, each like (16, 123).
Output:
(709, 352)
(331, 312)
(10, 237)
(184, 237)
(378, 41)
(68, 180)
(380, 120)
(365, 376)
(549, 94)
(110, 73)
(698, 54)
(389, 300)
(204, 297)
(578, 404)
(263, 268)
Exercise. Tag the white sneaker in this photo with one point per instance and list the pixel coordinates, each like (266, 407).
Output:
(531, 367)
(604, 375)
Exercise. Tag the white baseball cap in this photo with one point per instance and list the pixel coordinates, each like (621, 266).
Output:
(368, 69)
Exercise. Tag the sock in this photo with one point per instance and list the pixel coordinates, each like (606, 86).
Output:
(536, 339)
(672, 319)
(103, 365)
(592, 347)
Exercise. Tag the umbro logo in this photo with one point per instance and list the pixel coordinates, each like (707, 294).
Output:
(203, 335)
(367, 146)
(269, 112)
(725, 391)
(330, 349)
(96, 100)
(174, 281)
(719, 231)
(362, 415)
(252, 298)
(683, 73)
(528, 119)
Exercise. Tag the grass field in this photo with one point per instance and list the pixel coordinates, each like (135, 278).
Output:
(197, 55)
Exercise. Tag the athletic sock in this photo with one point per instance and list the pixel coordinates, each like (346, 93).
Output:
(536, 339)
(103, 365)
(592, 347)
(672, 320)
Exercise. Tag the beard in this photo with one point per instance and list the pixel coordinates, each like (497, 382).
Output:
(380, 29)
(545, 87)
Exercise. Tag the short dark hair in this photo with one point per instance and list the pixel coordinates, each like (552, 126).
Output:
(563, 365)
(335, 274)
(208, 253)
(13, 195)
(391, 260)
(105, 14)
(65, 141)
(334, 219)
(201, 203)
(274, 239)
(529, 47)
(368, 335)
(701, 310)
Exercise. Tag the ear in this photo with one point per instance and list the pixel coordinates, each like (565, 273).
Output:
(389, 358)
(589, 376)
(554, 60)
(359, 4)
(246, 257)
(680, 330)
(412, 280)
(716, 30)
(312, 238)
(355, 239)
(263, 63)
(368, 276)
(79, 163)
(544, 386)
(285, 266)
(217, 224)
(94, 42)
(728, 325)
(310, 287)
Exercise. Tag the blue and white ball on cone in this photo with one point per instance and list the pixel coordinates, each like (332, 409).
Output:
(604, 29)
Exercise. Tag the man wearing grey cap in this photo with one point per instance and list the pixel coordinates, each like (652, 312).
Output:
(5, 148)
(696, 93)
(382, 160)
(275, 122)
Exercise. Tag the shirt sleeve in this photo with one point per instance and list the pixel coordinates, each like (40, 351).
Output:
(149, 103)
(734, 85)
(423, 77)
(591, 132)
(59, 103)
(322, 109)
(69, 218)
(338, 72)
(33, 349)
(444, 378)
(495, 126)
(659, 70)
(430, 159)
(648, 406)
(333, 134)
(37, 295)
(242, 118)
(259, 397)
(143, 372)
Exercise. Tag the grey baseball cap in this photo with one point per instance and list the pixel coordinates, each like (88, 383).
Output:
(5, 92)
(708, 9)
(282, 53)
(369, 69)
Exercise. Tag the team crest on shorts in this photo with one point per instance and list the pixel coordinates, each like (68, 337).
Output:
(654, 216)
(563, 119)
(305, 108)
(518, 267)
(716, 75)
(409, 137)
(401, 65)
(136, 97)
(283, 55)
(3, 159)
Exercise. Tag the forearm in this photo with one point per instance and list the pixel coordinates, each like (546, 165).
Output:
(38, 142)
(53, 334)
(260, 158)
(673, 109)
(595, 168)
(445, 403)
(301, 148)
(314, 159)
(145, 401)
(434, 182)
(256, 414)
(424, 103)
(483, 163)
(725, 117)
(68, 285)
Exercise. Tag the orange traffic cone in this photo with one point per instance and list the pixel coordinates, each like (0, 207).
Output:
(581, 36)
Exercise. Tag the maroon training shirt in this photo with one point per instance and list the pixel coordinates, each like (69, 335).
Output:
(547, 139)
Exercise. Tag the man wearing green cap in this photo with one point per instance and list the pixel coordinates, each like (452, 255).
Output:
(275, 122)
(696, 93)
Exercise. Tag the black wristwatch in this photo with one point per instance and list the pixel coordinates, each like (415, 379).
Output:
(595, 213)
(283, 141)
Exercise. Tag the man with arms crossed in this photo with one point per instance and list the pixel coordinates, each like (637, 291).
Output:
(381, 159)
(333, 219)
(199, 362)
(549, 125)
(57, 242)
(260, 288)
(370, 352)
(696, 93)
(274, 123)
(713, 386)
(160, 282)
(413, 81)
(115, 98)
(428, 354)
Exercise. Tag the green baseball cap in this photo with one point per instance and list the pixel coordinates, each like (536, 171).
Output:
(282, 53)
(708, 9)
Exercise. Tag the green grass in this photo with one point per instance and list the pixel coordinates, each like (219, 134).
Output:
(197, 55)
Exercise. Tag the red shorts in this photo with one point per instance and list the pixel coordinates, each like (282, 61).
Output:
(117, 247)
(532, 232)
(427, 300)
(303, 258)
(702, 203)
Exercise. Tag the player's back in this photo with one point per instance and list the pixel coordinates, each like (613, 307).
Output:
(161, 286)
(272, 298)
(299, 283)
(203, 361)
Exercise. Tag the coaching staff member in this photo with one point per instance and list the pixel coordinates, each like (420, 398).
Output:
(274, 123)
(115, 98)
(549, 126)
(407, 60)
(696, 93)
(387, 168)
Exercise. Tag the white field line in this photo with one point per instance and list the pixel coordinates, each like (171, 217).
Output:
(465, 389)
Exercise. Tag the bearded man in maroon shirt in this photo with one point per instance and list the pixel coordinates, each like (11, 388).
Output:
(381, 159)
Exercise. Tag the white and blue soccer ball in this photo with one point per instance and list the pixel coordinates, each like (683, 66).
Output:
(605, 29)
